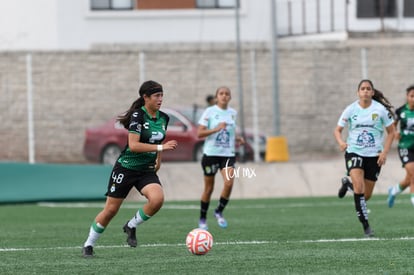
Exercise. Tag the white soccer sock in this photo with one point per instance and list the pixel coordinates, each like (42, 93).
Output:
(412, 199)
(94, 233)
(396, 189)
(139, 218)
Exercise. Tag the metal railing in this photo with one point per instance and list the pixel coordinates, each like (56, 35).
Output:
(302, 17)
(298, 17)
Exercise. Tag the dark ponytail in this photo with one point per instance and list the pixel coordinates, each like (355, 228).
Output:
(125, 118)
(379, 96)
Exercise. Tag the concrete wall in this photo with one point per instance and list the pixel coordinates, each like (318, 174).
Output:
(49, 182)
(78, 89)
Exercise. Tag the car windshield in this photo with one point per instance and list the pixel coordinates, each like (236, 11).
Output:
(193, 114)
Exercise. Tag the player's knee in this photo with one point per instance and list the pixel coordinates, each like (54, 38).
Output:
(156, 201)
(208, 191)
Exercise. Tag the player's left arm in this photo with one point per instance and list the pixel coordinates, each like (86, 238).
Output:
(158, 162)
(239, 138)
(159, 153)
(387, 144)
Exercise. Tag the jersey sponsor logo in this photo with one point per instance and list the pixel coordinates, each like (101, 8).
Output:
(410, 123)
(365, 126)
(366, 139)
(156, 136)
(223, 139)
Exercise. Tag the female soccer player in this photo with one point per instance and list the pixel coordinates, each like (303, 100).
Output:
(137, 165)
(218, 125)
(365, 150)
(405, 137)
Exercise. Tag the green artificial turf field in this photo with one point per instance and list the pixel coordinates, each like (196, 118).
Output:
(265, 236)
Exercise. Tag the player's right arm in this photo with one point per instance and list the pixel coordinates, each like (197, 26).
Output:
(203, 131)
(338, 136)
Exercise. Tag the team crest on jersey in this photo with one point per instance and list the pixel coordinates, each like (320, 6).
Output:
(374, 117)
(366, 139)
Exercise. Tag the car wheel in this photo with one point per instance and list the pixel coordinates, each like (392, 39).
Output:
(110, 154)
(198, 152)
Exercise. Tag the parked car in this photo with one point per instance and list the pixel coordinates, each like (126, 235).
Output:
(104, 143)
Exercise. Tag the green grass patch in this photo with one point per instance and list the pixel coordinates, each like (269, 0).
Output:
(265, 236)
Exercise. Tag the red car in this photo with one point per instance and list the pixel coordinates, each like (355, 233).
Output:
(104, 143)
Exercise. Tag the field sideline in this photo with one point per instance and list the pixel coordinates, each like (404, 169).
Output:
(247, 243)
(319, 235)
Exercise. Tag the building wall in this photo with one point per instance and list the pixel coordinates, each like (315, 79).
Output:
(28, 25)
(71, 25)
(78, 89)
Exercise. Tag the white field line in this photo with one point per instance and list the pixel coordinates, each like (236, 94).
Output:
(194, 206)
(218, 243)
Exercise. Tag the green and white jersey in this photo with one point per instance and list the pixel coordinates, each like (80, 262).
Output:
(405, 117)
(223, 142)
(365, 128)
(150, 130)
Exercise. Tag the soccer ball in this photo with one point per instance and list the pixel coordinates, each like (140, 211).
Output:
(199, 241)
